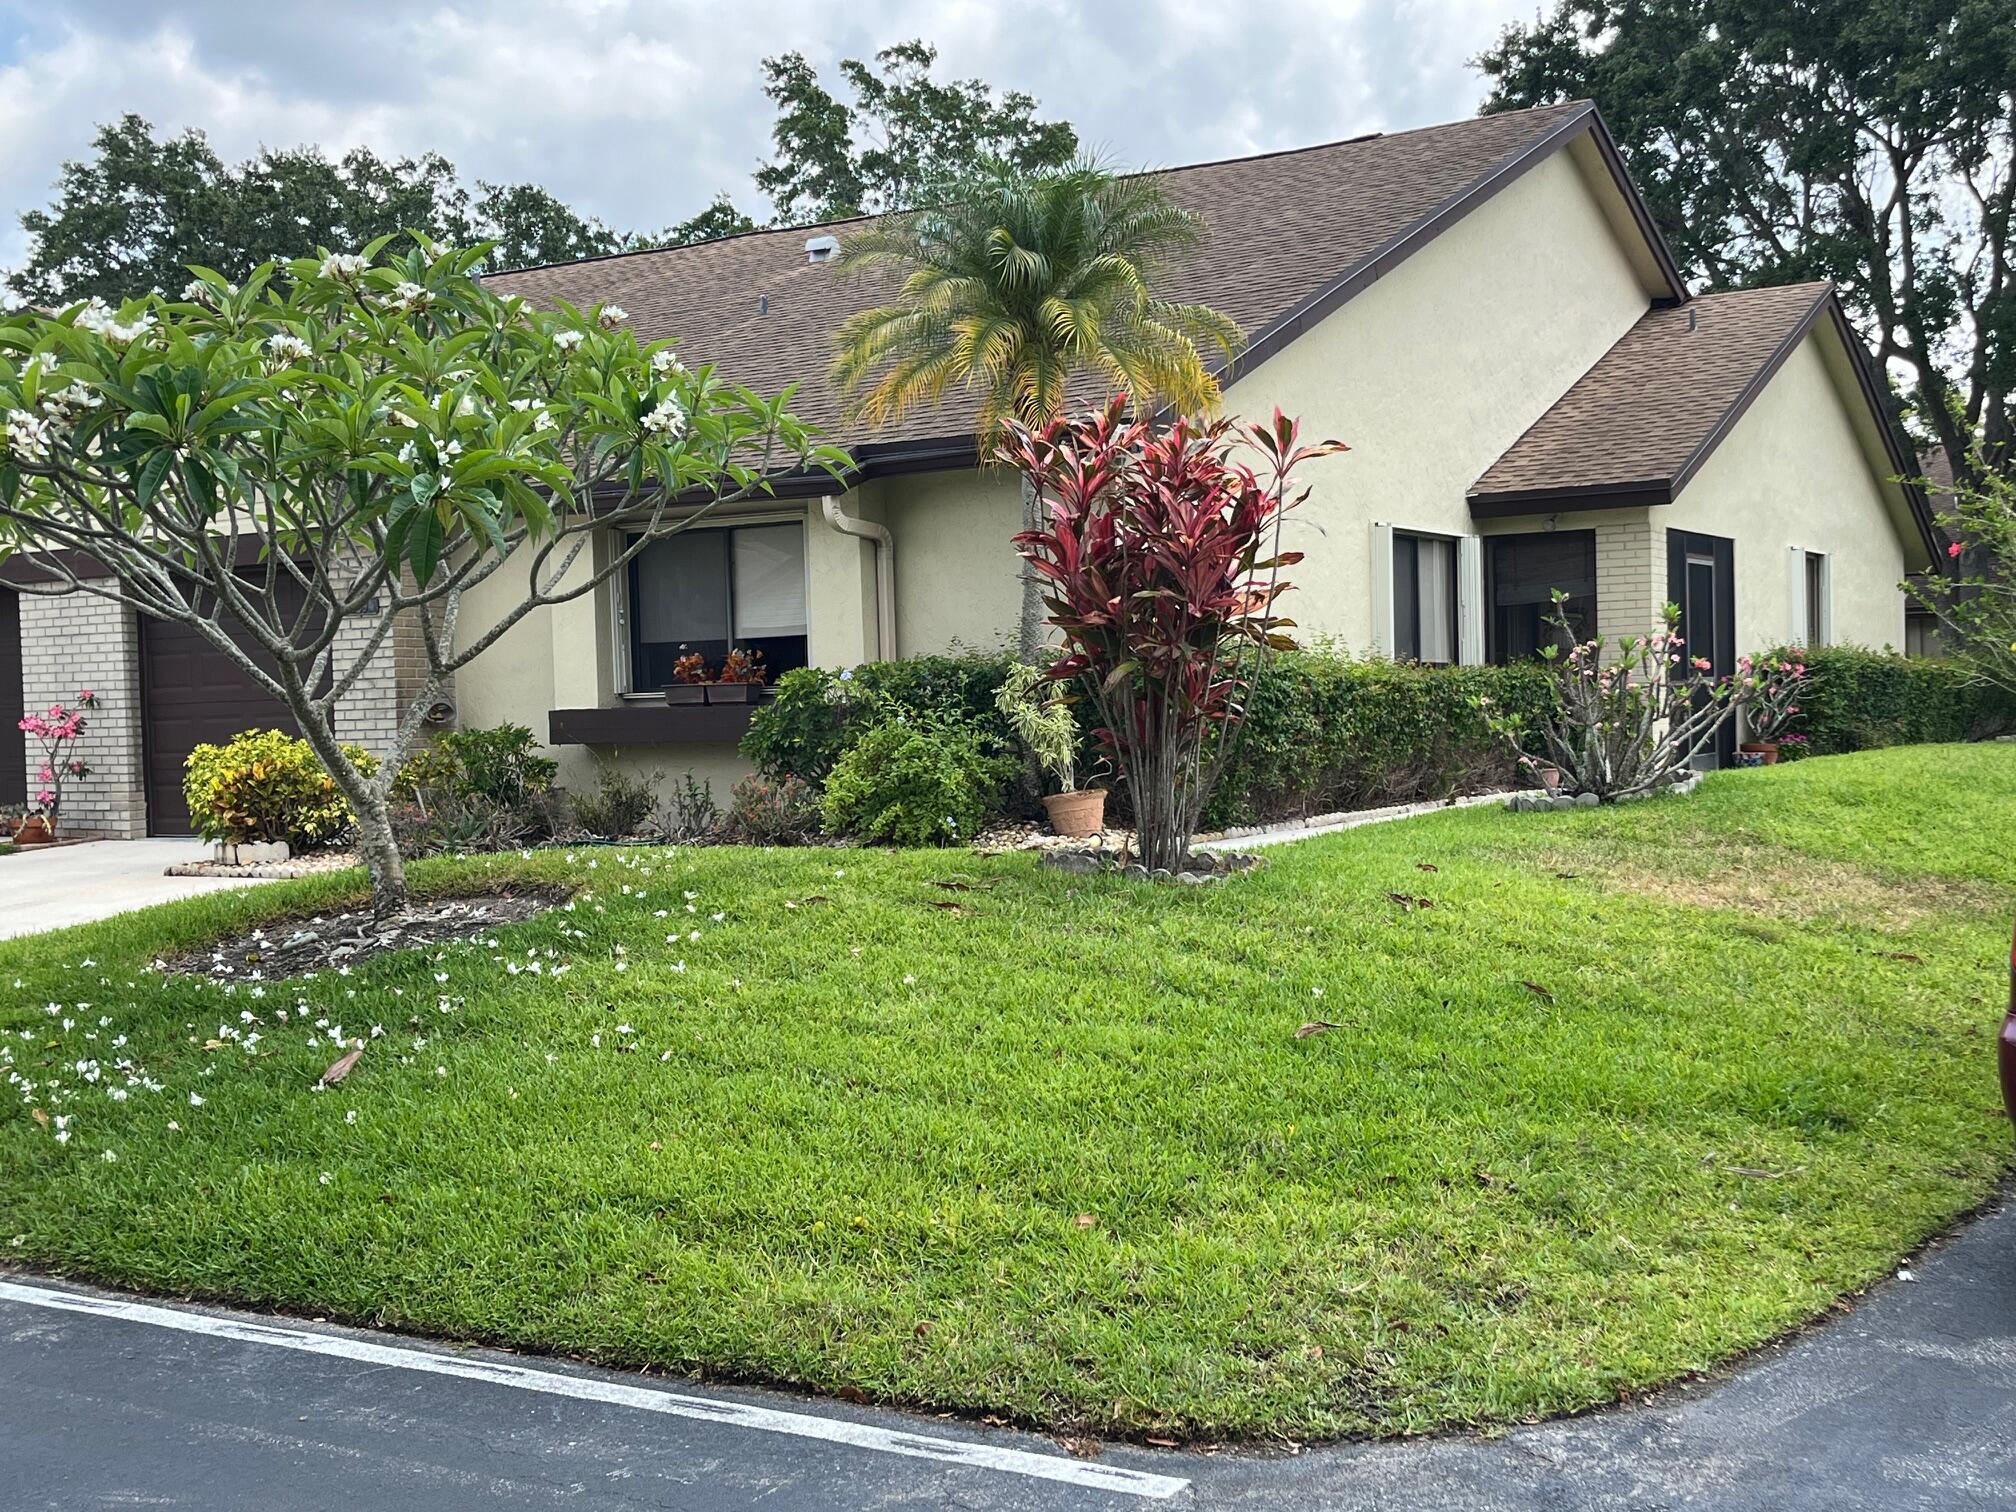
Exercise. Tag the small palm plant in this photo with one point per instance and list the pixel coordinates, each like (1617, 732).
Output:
(1014, 287)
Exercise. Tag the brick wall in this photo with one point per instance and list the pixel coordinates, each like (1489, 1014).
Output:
(68, 644)
(1630, 577)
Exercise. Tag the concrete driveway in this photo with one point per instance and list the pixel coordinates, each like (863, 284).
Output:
(75, 884)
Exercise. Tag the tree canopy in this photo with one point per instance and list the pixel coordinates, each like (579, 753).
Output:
(1865, 141)
(905, 138)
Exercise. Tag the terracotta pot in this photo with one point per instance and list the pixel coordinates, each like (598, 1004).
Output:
(734, 693)
(34, 830)
(2008, 1043)
(1550, 778)
(1078, 813)
(1768, 749)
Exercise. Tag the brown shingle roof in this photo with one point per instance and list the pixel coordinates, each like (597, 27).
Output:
(1283, 228)
(1646, 414)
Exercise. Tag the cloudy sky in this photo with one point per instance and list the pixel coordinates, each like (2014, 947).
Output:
(639, 112)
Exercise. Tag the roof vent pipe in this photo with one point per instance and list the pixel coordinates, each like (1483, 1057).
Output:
(885, 571)
(820, 249)
(1693, 317)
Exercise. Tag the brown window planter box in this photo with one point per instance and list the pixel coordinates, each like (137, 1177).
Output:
(686, 693)
(734, 693)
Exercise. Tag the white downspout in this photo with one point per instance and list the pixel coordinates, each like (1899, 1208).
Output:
(885, 571)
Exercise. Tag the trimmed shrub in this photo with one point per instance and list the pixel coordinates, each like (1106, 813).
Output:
(915, 782)
(1325, 734)
(502, 764)
(265, 786)
(620, 806)
(1860, 699)
(816, 715)
(773, 811)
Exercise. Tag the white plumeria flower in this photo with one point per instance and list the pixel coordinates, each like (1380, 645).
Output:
(566, 341)
(344, 265)
(285, 346)
(612, 316)
(668, 419)
(323, 1179)
(666, 362)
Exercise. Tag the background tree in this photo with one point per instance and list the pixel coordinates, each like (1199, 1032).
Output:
(1976, 603)
(1866, 141)
(1017, 286)
(719, 219)
(344, 443)
(905, 138)
(133, 217)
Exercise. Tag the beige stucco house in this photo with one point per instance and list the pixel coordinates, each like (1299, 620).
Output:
(1482, 310)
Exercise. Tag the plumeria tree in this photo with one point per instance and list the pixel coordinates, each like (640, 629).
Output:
(292, 466)
(1160, 562)
(1628, 717)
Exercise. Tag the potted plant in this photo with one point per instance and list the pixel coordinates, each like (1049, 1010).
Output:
(1775, 684)
(689, 680)
(1039, 713)
(57, 730)
(741, 679)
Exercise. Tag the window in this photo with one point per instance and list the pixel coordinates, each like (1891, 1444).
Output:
(1424, 598)
(1525, 572)
(709, 590)
(1816, 598)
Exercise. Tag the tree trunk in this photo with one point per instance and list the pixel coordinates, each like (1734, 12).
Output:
(1029, 632)
(376, 845)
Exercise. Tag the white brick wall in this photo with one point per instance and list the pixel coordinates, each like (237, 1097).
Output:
(68, 644)
(1630, 578)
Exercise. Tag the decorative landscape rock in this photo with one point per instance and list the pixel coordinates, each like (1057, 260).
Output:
(1199, 867)
(1533, 799)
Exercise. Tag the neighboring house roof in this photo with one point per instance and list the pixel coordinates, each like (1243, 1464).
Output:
(1641, 422)
(1292, 235)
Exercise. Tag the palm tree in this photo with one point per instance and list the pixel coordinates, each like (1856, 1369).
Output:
(1015, 286)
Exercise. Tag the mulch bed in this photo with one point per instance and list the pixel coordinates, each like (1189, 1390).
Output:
(321, 942)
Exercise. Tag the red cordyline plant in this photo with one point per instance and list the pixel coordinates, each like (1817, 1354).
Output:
(1160, 562)
(58, 730)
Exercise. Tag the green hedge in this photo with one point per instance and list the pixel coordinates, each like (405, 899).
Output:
(1861, 699)
(1324, 733)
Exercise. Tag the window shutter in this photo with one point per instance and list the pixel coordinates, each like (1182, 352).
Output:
(1795, 586)
(1382, 589)
(1825, 617)
(1470, 600)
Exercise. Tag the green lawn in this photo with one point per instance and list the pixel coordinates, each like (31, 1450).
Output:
(1642, 1088)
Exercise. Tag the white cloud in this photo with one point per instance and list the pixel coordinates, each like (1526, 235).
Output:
(640, 112)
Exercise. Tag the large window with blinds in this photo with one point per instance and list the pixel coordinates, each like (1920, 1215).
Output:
(708, 591)
(1522, 574)
(1424, 598)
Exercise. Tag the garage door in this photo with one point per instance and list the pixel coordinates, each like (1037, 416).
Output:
(13, 744)
(192, 694)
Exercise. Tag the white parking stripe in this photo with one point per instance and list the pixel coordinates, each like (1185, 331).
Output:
(736, 1414)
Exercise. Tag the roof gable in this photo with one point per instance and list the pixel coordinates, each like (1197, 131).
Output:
(1291, 236)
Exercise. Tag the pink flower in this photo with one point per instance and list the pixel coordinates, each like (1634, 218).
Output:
(1702, 664)
(1953, 549)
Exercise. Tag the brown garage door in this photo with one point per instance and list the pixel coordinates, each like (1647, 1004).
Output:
(13, 744)
(192, 694)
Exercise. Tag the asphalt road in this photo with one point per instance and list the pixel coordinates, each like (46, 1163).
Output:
(1909, 1402)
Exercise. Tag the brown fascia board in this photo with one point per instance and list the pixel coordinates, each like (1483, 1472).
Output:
(1522, 501)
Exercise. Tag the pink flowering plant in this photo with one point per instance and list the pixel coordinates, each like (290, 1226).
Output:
(1623, 723)
(1972, 589)
(58, 729)
(1774, 683)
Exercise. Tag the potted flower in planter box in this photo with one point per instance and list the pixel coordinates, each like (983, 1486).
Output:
(57, 730)
(1775, 684)
(741, 679)
(1039, 713)
(689, 680)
